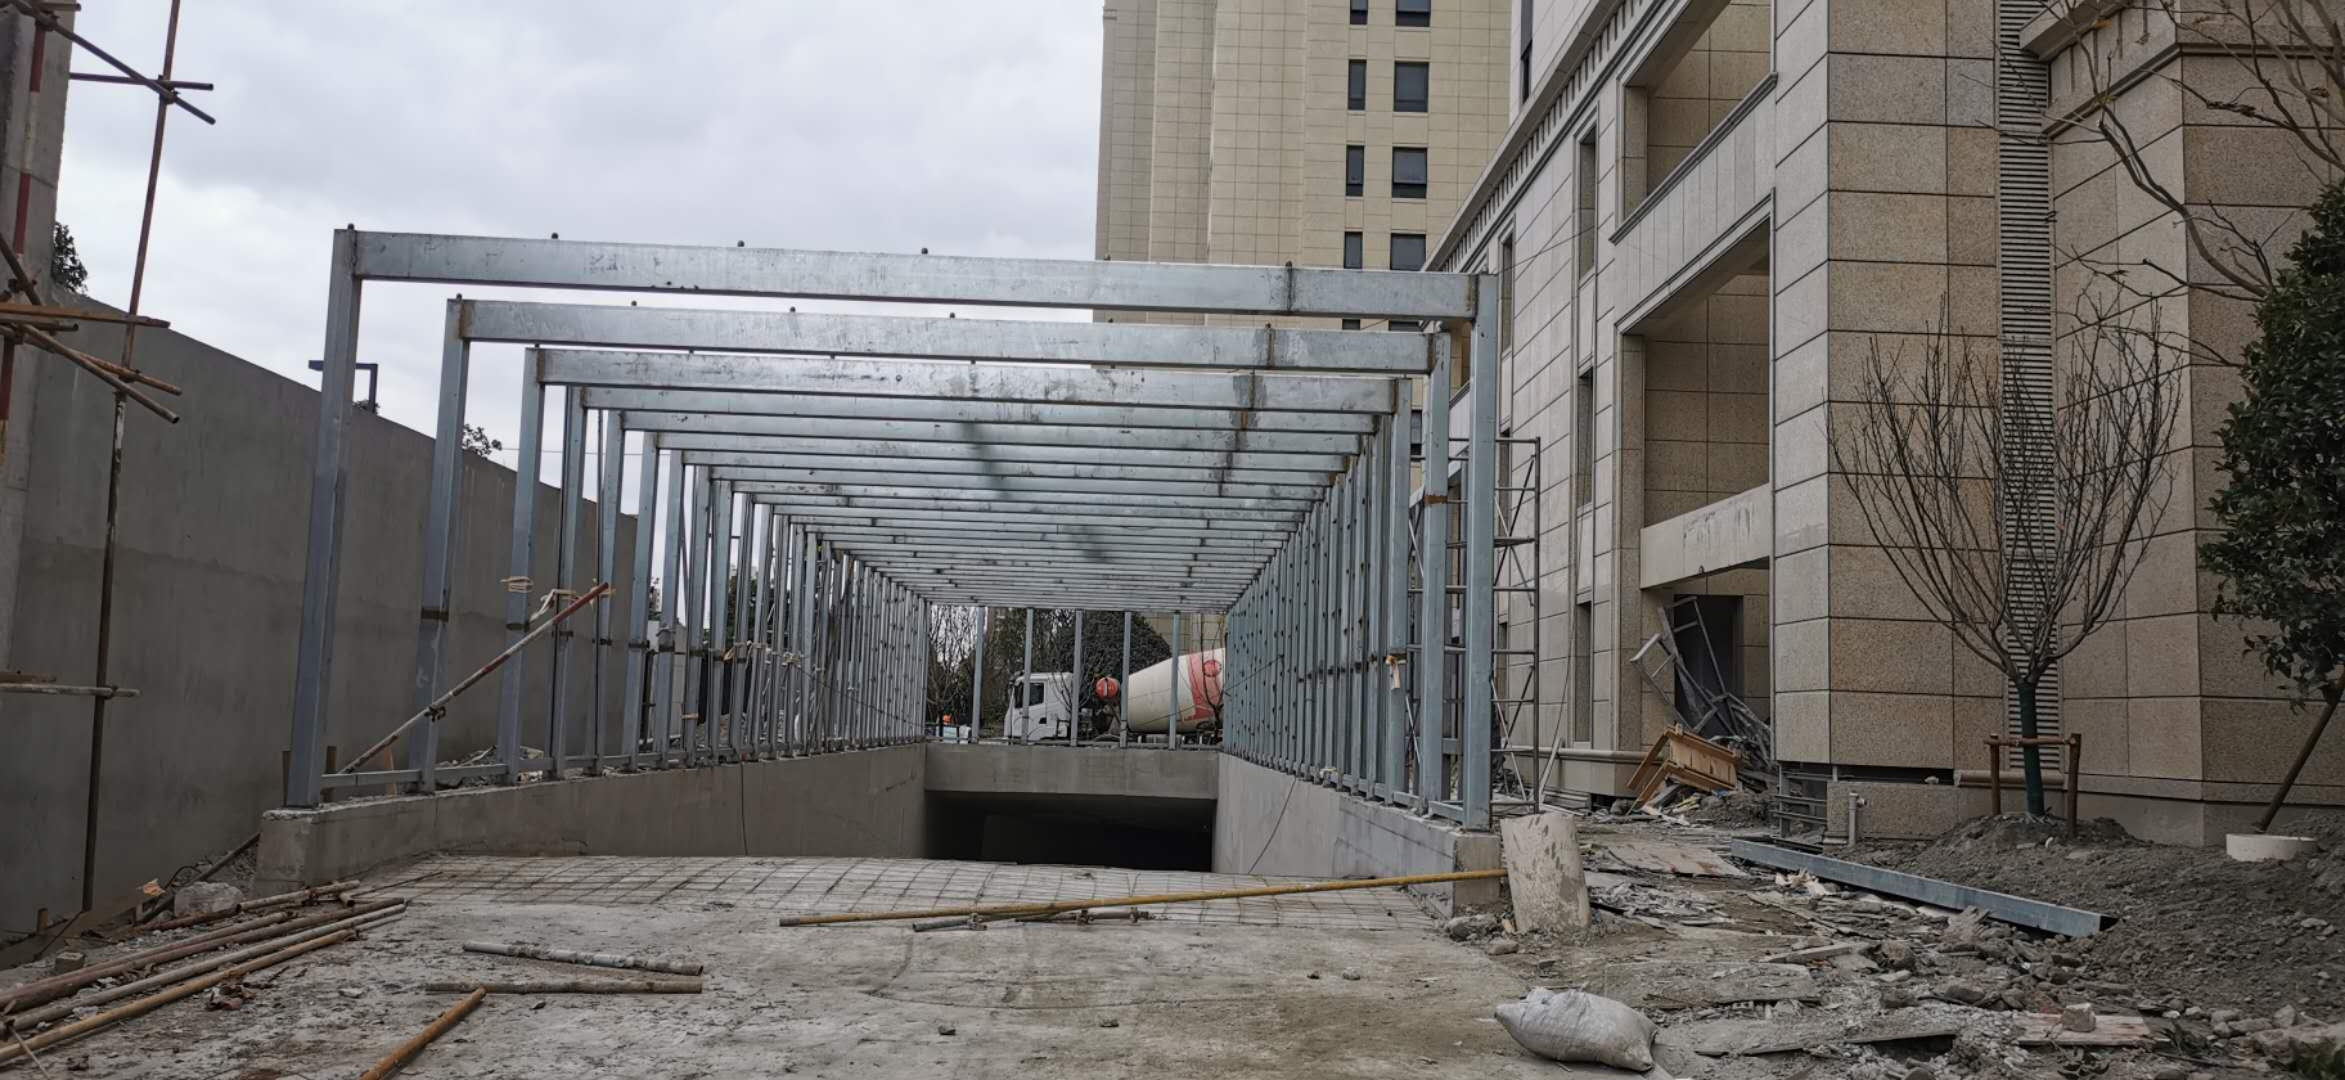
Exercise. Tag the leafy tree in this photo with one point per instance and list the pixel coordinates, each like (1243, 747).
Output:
(2282, 510)
(65, 268)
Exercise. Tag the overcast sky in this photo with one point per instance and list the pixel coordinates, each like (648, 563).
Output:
(879, 125)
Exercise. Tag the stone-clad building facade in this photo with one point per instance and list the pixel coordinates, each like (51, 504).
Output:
(1711, 212)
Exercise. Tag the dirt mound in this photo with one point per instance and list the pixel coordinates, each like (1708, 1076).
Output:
(2196, 928)
(2011, 831)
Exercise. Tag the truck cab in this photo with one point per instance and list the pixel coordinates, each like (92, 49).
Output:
(1042, 707)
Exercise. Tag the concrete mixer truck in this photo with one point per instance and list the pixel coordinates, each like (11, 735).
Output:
(1042, 706)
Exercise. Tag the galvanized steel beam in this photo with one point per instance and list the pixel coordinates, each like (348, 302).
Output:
(1072, 488)
(877, 453)
(1016, 428)
(926, 279)
(893, 466)
(813, 376)
(997, 340)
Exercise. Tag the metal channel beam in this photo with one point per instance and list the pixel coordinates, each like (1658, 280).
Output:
(1040, 567)
(2016, 910)
(1087, 549)
(801, 375)
(963, 456)
(997, 537)
(995, 340)
(1073, 487)
(931, 279)
(1013, 546)
(1101, 519)
(1017, 429)
(1039, 502)
(891, 465)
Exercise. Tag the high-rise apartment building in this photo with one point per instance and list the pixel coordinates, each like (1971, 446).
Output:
(1313, 132)
(1316, 132)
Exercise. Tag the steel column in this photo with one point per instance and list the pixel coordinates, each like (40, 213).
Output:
(639, 643)
(1433, 573)
(322, 563)
(1481, 618)
(518, 588)
(439, 544)
(613, 458)
(566, 579)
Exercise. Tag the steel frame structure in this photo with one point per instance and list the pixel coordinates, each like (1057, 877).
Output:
(825, 480)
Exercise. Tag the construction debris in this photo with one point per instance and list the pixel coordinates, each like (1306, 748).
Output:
(205, 898)
(573, 956)
(1683, 758)
(1685, 984)
(1664, 857)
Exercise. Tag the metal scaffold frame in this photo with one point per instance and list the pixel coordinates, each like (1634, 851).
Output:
(816, 484)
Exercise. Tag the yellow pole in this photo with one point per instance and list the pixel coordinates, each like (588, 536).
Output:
(1121, 901)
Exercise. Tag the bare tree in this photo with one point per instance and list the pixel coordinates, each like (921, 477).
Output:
(2017, 526)
(2288, 76)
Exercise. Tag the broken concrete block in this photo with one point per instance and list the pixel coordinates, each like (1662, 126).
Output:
(1470, 927)
(1543, 872)
(1503, 947)
(204, 898)
(2078, 1017)
(67, 961)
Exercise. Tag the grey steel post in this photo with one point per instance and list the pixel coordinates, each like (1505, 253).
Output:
(439, 542)
(1172, 720)
(977, 675)
(321, 566)
(613, 459)
(927, 662)
(669, 678)
(1076, 720)
(1481, 525)
(518, 588)
(688, 590)
(726, 576)
(802, 608)
(1372, 698)
(1124, 689)
(566, 577)
(755, 577)
(1433, 569)
(639, 642)
(1393, 529)
(1024, 691)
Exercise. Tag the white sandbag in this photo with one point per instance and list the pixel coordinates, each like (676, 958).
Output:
(1579, 1026)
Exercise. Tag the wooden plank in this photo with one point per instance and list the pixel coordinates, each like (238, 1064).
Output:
(42, 944)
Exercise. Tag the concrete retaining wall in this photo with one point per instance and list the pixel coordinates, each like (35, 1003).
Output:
(209, 581)
(866, 802)
(1110, 772)
(1270, 822)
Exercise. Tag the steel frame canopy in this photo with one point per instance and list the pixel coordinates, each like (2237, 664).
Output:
(862, 467)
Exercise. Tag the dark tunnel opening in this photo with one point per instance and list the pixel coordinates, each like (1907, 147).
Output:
(1065, 830)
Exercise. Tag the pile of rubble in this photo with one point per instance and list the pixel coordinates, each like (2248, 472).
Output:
(1749, 973)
